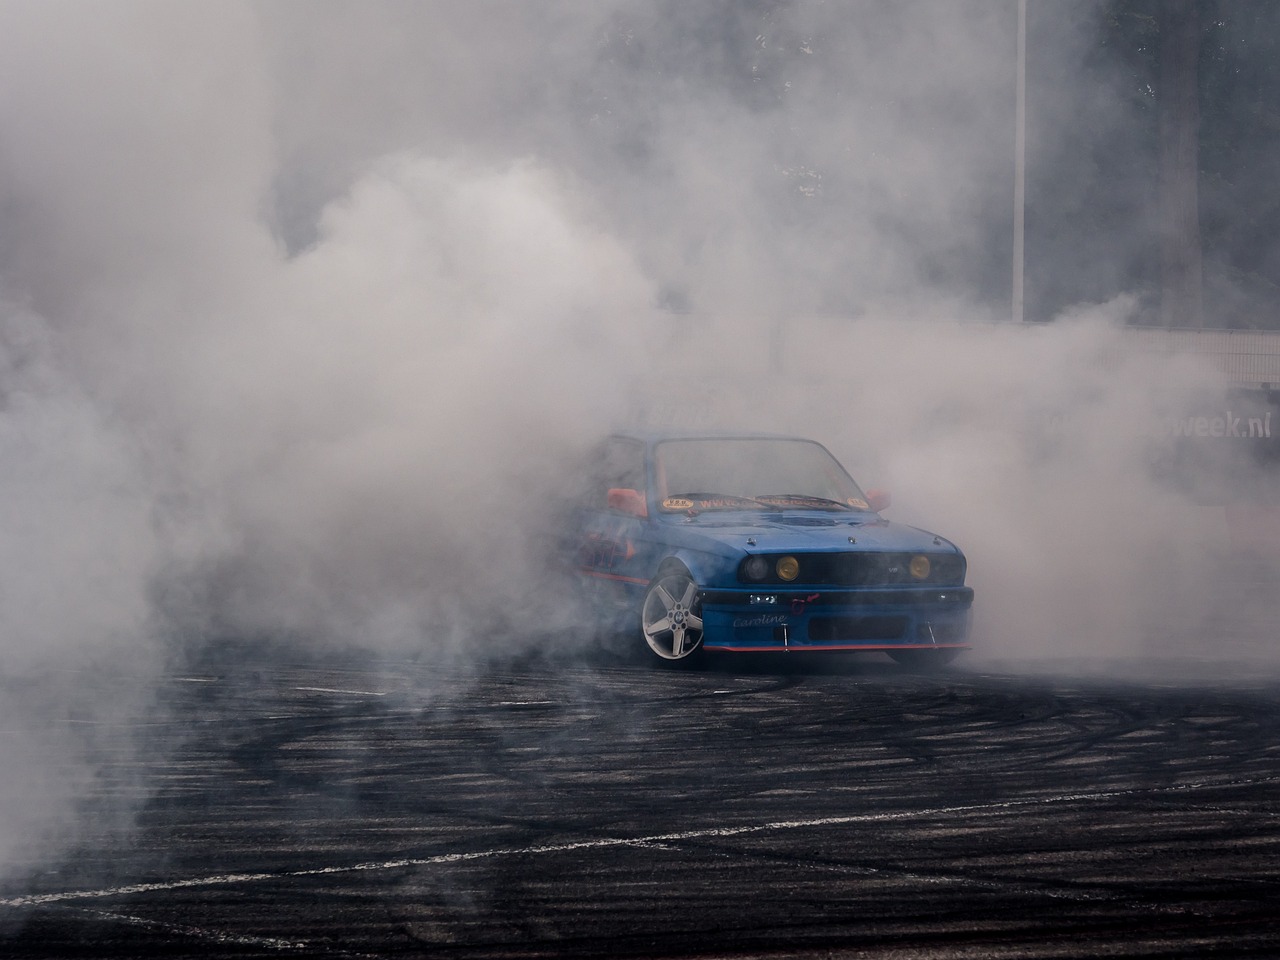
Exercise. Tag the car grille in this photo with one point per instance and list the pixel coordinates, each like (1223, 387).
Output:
(858, 569)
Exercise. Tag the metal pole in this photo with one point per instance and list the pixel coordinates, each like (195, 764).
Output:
(1020, 163)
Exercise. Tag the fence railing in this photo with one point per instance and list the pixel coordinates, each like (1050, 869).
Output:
(1244, 357)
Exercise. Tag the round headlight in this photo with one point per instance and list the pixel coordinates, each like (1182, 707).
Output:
(755, 568)
(788, 568)
(919, 567)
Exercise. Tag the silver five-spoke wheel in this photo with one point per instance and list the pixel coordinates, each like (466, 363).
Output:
(672, 617)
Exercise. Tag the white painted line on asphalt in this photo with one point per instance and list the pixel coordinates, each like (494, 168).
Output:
(354, 693)
(525, 703)
(707, 833)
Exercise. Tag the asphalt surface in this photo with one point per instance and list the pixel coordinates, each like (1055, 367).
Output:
(299, 805)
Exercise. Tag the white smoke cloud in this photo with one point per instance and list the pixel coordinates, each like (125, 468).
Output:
(396, 414)
(79, 552)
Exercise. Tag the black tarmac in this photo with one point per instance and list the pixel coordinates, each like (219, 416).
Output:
(300, 805)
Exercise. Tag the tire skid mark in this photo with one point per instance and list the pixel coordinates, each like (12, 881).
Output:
(1087, 893)
(1059, 732)
(602, 843)
(195, 933)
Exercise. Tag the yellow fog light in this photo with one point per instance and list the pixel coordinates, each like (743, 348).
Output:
(919, 567)
(788, 568)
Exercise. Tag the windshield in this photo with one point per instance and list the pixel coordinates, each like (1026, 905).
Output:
(752, 473)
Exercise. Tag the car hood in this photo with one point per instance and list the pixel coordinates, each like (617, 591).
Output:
(811, 532)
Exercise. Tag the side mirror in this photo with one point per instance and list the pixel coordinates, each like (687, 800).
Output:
(878, 499)
(626, 500)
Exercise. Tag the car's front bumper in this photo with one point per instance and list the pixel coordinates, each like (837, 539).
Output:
(888, 618)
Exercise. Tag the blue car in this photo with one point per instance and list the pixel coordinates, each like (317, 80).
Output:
(754, 543)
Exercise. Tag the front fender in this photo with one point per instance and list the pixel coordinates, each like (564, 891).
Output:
(706, 568)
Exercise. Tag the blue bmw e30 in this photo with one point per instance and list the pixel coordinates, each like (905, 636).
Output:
(747, 543)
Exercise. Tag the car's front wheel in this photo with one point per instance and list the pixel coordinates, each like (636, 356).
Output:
(671, 616)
